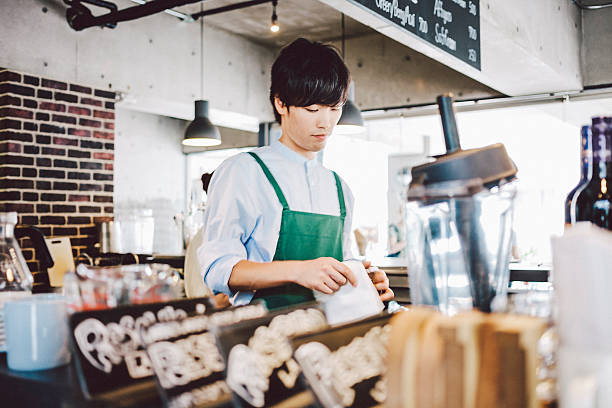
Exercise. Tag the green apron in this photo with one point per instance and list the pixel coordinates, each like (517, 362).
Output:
(303, 236)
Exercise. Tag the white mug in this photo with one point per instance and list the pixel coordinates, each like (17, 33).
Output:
(37, 332)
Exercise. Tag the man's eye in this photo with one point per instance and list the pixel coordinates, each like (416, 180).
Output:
(336, 108)
(311, 110)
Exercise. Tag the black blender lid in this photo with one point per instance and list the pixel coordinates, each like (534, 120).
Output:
(491, 164)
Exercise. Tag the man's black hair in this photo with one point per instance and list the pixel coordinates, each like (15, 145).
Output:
(307, 73)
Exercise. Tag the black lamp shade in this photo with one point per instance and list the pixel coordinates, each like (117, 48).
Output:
(201, 132)
(350, 121)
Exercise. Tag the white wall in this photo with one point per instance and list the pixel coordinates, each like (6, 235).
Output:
(150, 171)
(155, 57)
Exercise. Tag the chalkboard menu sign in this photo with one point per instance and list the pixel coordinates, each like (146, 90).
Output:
(344, 365)
(260, 370)
(451, 25)
(108, 353)
(188, 366)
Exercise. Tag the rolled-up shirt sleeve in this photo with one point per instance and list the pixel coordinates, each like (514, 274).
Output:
(229, 220)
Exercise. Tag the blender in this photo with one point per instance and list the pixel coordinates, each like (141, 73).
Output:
(458, 217)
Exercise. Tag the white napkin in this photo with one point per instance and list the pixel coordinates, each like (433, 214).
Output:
(351, 303)
(582, 278)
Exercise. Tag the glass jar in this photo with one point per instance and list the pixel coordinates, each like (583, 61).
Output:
(15, 277)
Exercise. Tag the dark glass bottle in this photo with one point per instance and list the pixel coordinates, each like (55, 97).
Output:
(594, 202)
(586, 162)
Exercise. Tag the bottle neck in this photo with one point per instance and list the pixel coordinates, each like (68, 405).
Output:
(586, 154)
(602, 154)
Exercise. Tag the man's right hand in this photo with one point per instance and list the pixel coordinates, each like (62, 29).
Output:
(325, 275)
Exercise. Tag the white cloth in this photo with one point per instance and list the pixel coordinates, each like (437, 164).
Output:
(351, 303)
(243, 214)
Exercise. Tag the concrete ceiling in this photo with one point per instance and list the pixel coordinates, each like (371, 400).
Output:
(296, 18)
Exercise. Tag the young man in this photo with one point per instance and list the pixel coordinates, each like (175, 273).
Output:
(277, 223)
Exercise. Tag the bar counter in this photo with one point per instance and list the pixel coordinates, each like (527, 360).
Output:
(58, 387)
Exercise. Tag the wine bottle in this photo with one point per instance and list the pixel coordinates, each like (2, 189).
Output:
(586, 162)
(594, 202)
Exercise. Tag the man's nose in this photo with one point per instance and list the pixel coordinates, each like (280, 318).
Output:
(324, 119)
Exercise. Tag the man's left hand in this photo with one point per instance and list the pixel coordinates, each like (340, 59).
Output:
(380, 281)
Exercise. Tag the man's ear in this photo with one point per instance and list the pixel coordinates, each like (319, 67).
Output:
(280, 107)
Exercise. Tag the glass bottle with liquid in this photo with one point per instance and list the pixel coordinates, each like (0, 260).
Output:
(15, 277)
(594, 202)
(586, 164)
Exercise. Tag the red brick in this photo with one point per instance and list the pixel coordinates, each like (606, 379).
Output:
(65, 141)
(103, 199)
(49, 83)
(30, 80)
(90, 123)
(15, 183)
(20, 208)
(53, 151)
(80, 89)
(79, 132)
(64, 119)
(60, 96)
(30, 103)
(9, 76)
(12, 159)
(78, 197)
(108, 166)
(52, 220)
(109, 125)
(77, 110)
(10, 124)
(52, 197)
(104, 115)
(57, 107)
(29, 196)
(10, 147)
(9, 171)
(16, 89)
(8, 100)
(16, 113)
(90, 101)
(104, 156)
(10, 195)
(104, 94)
(104, 135)
(79, 220)
(16, 136)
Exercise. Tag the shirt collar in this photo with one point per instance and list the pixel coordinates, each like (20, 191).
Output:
(289, 154)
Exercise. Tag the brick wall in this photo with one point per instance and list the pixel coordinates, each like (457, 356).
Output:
(56, 157)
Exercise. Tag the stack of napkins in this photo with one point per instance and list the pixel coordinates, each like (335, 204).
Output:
(351, 303)
(582, 278)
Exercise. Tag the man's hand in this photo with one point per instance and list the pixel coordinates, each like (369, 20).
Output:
(325, 275)
(380, 281)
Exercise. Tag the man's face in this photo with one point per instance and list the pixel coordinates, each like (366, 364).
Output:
(306, 129)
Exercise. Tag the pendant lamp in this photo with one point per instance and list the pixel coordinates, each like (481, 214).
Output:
(201, 132)
(351, 121)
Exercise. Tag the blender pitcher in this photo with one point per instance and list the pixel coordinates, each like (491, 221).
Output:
(458, 217)
(15, 277)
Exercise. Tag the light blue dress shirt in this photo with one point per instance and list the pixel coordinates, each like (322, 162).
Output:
(243, 215)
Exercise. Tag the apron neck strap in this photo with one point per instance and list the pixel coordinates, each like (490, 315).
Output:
(277, 189)
(340, 195)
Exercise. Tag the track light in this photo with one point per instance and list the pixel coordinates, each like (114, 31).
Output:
(274, 27)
